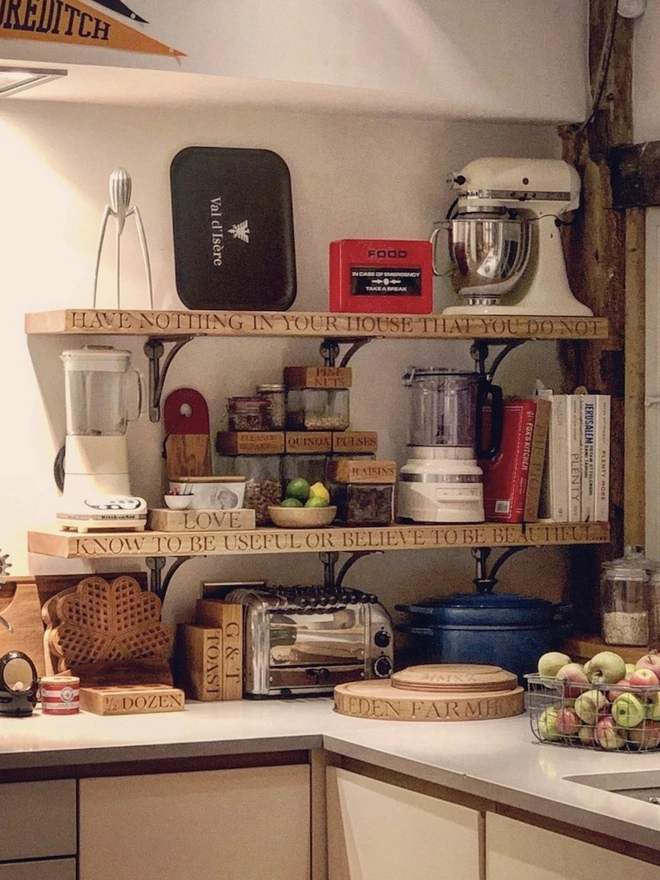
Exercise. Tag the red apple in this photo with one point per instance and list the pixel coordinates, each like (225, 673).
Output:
(621, 687)
(587, 735)
(650, 661)
(644, 680)
(608, 735)
(568, 722)
(646, 735)
(571, 680)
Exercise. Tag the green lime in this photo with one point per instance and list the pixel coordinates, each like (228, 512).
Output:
(316, 501)
(298, 488)
(291, 502)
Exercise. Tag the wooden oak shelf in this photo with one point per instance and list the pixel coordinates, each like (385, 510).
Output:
(329, 325)
(100, 545)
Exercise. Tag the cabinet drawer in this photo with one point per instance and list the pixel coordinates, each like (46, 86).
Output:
(38, 819)
(54, 869)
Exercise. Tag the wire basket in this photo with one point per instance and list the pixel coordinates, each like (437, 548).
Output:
(609, 717)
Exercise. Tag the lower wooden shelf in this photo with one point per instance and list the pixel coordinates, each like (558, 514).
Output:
(99, 545)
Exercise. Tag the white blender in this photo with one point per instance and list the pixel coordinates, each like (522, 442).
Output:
(504, 237)
(97, 492)
(441, 482)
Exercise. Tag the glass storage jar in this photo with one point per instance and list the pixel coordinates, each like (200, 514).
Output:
(277, 396)
(363, 504)
(317, 409)
(654, 609)
(624, 599)
(263, 482)
(249, 414)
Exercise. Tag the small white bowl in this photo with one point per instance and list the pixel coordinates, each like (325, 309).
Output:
(178, 502)
(212, 493)
(302, 517)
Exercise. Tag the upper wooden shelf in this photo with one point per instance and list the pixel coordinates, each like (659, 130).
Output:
(331, 325)
(99, 545)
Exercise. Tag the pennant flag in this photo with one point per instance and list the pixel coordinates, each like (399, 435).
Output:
(122, 9)
(73, 22)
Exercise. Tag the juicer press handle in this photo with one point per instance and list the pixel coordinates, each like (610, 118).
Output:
(487, 390)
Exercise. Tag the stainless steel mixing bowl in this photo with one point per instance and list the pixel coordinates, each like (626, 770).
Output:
(489, 255)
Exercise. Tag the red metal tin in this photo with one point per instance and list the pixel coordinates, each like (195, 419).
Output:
(381, 276)
(60, 694)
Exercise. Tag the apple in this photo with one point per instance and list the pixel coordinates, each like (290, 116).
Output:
(587, 735)
(606, 667)
(608, 735)
(571, 680)
(628, 710)
(650, 661)
(621, 687)
(630, 668)
(644, 679)
(551, 662)
(653, 706)
(568, 721)
(548, 724)
(645, 735)
(589, 705)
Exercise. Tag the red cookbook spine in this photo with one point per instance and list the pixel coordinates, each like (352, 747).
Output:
(506, 476)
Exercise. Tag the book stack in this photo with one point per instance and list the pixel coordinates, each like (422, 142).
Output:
(578, 462)
(512, 479)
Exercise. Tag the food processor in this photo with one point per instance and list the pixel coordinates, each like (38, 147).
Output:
(441, 482)
(96, 491)
(504, 240)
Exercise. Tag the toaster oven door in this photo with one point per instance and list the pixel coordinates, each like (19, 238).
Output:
(332, 638)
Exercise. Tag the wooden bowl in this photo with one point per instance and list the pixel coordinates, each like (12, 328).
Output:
(302, 517)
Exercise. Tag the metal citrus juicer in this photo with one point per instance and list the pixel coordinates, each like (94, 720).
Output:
(504, 240)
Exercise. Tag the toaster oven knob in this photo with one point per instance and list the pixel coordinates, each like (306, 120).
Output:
(382, 638)
(382, 667)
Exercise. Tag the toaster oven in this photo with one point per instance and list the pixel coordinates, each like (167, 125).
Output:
(306, 640)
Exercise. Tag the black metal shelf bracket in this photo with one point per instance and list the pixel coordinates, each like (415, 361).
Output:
(330, 349)
(154, 348)
(157, 583)
(485, 582)
(480, 351)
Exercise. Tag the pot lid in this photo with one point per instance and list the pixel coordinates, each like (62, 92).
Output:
(485, 600)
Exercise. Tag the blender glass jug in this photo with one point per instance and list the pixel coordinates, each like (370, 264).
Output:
(96, 386)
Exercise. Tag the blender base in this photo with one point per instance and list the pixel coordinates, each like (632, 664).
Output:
(421, 505)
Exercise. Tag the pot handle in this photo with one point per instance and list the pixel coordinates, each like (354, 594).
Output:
(562, 612)
(415, 630)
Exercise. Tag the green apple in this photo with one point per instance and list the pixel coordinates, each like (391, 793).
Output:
(628, 710)
(548, 724)
(589, 705)
(653, 706)
(606, 667)
(551, 662)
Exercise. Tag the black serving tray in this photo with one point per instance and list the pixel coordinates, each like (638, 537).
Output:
(232, 221)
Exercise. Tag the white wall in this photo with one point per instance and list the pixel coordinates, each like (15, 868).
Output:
(646, 75)
(351, 176)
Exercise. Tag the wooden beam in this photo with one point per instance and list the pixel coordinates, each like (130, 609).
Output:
(635, 172)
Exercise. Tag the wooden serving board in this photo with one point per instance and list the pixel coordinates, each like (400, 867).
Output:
(187, 437)
(454, 678)
(387, 701)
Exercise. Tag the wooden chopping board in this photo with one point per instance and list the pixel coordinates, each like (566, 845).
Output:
(387, 701)
(187, 446)
(24, 615)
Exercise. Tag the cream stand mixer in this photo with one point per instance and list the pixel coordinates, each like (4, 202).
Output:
(504, 237)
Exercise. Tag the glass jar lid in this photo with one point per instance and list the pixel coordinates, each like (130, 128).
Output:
(633, 564)
(266, 389)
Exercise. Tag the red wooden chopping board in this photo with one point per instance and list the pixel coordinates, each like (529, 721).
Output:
(187, 435)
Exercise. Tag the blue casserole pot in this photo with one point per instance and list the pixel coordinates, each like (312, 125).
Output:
(507, 631)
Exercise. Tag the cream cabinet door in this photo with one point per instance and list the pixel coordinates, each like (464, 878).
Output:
(378, 831)
(37, 820)
(514, 849)
(244, 824)
(51, 869)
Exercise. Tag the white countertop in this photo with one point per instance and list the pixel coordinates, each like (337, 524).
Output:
(496, 759)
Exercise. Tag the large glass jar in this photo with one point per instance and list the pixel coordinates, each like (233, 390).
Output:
(317, 409)
(654, 609)
(263, 482)
(624, 599)
(363, 504)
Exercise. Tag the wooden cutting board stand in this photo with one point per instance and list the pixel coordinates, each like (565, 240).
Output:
(453, 692)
